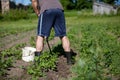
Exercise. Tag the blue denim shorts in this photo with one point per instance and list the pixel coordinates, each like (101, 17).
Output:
(52, 18)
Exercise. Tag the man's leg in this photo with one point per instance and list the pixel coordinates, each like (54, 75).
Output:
(66, 47)
(39, 45)
(65, 44)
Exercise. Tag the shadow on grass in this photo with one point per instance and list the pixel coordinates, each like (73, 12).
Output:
(59, 49)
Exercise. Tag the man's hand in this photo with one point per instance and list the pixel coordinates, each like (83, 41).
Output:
(34, 5)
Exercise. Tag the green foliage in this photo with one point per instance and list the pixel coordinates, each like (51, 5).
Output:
(96, 40)
(15, 15)
(99, 47)
(4, 64)
(16, 27)
(32, 41)
(80, 4)
(109, 1)
(43, 64)
(118, 11)
(115, 64)
(1, 16)
(65, 3)
(9, 56)
(14, 51)
(83, 4)
(51, 34)
(97, 54)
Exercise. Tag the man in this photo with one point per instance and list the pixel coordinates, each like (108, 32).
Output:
(50, 13)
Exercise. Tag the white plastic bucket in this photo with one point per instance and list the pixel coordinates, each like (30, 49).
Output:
(28, 54)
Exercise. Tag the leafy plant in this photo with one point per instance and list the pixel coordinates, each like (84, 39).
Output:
(45, 63)
(98, 48)
(4, 64)
(9, 56)
(15, 15)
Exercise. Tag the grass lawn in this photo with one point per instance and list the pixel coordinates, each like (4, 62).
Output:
(15, 27)
(96, 39)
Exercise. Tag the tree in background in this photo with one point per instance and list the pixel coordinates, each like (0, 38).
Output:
(106, 1)
(84, 4)
(76, 4)
(65, 3)
(109, 1)
(5, 6)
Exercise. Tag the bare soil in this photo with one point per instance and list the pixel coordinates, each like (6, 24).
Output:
(12, 40)
(18, 71)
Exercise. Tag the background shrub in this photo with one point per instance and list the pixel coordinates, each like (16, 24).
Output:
(15, 15)
(80, 4)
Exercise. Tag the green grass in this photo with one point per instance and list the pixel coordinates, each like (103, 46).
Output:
(94, 38)
(10, 27)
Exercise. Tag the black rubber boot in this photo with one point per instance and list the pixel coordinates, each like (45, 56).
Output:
(37, 53)
(37, 57)
(69, 57)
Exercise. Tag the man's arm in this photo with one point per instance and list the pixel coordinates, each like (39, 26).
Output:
(35, 7)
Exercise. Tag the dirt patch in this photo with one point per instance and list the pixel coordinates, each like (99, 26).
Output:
(19, 72)
(63, 70)
(18, 69)
(12, 40)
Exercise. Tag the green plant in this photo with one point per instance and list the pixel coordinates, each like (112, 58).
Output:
(15, 15)
(46, 62)
(9, 56)
(14, 51)
(94, 38)
(97, 44)
(4, 64)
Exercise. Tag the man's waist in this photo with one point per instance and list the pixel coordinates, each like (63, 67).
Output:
(54, 9)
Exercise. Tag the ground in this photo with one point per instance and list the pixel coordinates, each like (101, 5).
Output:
(18, 71)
